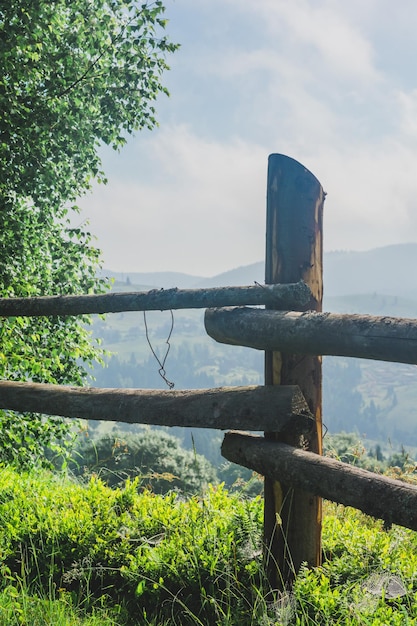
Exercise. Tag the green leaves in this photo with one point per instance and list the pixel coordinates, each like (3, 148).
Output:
(167, 559)
(74, 75)
(154, 456)
(120, 547)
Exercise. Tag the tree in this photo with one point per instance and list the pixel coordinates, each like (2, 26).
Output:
(154, 455)
(76, 74)
(342, 401)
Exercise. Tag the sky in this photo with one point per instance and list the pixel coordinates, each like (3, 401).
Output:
(330, 83)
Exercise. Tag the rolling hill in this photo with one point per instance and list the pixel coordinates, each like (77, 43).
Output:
(376, 399)
(390, 270)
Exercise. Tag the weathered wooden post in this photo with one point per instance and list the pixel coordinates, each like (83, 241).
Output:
(294, 230)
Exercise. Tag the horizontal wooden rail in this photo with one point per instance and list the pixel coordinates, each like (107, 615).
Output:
(384, 498)
(281, 296)
(363, 336)
(251, 408)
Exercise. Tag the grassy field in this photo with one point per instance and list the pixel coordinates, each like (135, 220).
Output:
(75, 554)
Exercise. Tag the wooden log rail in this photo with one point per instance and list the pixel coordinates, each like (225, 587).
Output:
(384, 498)
(363, 336)
(250, 408)
(287, 296)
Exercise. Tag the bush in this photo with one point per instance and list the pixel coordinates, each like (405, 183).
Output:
(241, 479)
(155, 560)
(154, 456)
(144, 551)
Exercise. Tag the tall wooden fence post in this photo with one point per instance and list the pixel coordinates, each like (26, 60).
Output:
(295, 201)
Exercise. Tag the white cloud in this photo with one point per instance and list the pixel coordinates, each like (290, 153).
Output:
(319, 31)
(407, 114)
(203, 215)
(303, 78)
(372, 193)
(203, 211)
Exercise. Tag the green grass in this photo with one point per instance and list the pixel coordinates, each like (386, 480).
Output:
(84, 555)
(18, 607)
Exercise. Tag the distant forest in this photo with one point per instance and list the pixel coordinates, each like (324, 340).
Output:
(375, 400)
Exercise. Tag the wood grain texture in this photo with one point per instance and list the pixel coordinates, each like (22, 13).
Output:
(294, 252)
(384, 498)
(313, 333)
(251, 408)
(280, 296)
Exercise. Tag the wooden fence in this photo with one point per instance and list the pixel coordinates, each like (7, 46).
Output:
(294, 333)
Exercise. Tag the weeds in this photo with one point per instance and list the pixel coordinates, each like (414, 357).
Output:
(84, 555)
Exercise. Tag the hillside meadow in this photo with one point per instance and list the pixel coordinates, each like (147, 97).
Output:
(81, 554)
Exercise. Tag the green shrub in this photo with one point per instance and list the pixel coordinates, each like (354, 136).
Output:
(241, 479)
(18, 608)
(357, 551)
(143, 558)
(154, 456)
(120, 547)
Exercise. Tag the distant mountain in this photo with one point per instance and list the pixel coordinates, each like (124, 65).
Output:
(371, 304)
(244, 275)
(150, 280)
(375, 399)
(390, 270)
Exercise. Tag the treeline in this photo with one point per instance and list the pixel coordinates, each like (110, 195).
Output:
(189, 366)
(365, 397)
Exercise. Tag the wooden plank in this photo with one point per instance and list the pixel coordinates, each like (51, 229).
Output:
(294, 233)
(384, 498)
(251, 408)
(282, 296)
(363, 336)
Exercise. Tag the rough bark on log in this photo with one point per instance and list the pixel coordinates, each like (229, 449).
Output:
(250, 408)
(281, 296)
(363, 336)
(379, 496)
(294, 251)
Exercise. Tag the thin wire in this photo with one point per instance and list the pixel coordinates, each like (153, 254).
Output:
(263, 286)
(161, 364)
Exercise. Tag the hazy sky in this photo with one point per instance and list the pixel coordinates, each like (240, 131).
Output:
(331, 83)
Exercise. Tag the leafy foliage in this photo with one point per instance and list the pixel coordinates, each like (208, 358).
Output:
(348, 448)
(150, 553)
(156, 559)
(19, 606)
(154, 456)
(74, 75)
